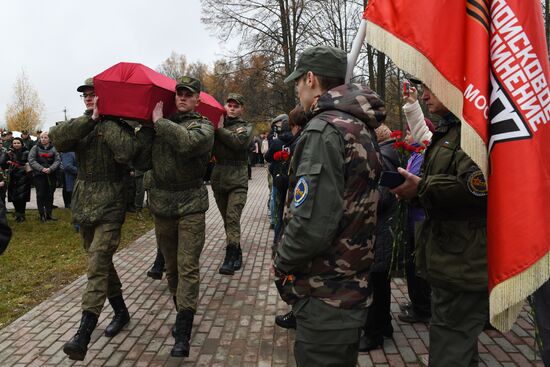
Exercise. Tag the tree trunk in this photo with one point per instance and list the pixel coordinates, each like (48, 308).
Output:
(370, 61)
(381, 79)
(288, 48)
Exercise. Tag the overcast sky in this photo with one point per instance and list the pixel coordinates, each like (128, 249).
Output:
(61, 42)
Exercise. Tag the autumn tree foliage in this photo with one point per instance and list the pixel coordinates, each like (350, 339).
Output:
(26, 110)
(249, 76)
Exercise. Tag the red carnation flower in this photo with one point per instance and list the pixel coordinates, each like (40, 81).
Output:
(398, 144)
(396, 134)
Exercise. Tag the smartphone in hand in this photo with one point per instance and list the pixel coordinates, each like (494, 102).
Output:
(391, 179)
(406, 88)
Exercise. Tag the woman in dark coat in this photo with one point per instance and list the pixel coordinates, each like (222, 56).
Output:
(44, 160)
(19, 188)
(378, 323)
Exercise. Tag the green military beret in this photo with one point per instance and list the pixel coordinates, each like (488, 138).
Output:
(194, 85)
(88, 83)
(321, 60)
(235, 97)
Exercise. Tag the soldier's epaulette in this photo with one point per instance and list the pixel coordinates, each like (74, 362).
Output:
(316, 124)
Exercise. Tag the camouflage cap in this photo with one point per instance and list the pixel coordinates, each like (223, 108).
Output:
(88, 83)
(25, 132)
(321, 60)
(194, 85)
(235, 97)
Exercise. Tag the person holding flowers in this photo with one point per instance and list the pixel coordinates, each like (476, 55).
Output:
(451, 247)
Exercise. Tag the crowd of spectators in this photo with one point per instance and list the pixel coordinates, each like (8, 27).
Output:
(28, 161)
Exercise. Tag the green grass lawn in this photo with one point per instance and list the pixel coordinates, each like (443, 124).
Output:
(44, 257)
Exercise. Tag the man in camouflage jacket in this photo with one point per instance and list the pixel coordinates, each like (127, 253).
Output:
(230, 177)
(178, 200)
(323, 261)
(103, 148)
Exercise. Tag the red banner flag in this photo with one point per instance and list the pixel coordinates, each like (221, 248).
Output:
(487, 61)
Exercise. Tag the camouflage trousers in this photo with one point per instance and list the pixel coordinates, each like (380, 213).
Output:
(100, 242)
(326, 335)
(181, 241)
(231, 206)
(457, 320)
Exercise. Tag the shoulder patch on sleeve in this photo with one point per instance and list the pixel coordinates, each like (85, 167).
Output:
(241, 129)
(301, 192)
(477, 184)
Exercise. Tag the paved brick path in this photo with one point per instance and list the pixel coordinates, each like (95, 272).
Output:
(234, 325)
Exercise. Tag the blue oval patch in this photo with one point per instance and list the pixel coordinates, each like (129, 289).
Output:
(301, 192)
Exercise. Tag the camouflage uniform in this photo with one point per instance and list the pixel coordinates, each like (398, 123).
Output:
(451, 247)
(178, 199)
(103, 150)
(230, 179)
(323, 261)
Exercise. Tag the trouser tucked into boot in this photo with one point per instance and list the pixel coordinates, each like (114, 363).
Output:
(158, 266)
(183, 327)
(77, 347)
(228, 266)
(238, 263)
(121, 318)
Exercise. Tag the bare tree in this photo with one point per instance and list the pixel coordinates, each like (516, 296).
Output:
(174, 66)
(334, 22)
(281, 29)
(26, 110)
(276, 28)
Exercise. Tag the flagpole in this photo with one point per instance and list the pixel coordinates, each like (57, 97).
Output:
(356, 49)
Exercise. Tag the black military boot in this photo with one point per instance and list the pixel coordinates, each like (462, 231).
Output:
(286, 321)
(77, 347)
(158, 267)
(238, 263)
(121, 318)
(184, 325)
(43, 218)
(228, 266)
(50, 217)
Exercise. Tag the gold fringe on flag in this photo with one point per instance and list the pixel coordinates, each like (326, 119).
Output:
(412, 61)
(507, 298)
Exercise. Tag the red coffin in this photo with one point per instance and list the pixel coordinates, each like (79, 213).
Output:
(132, 90)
